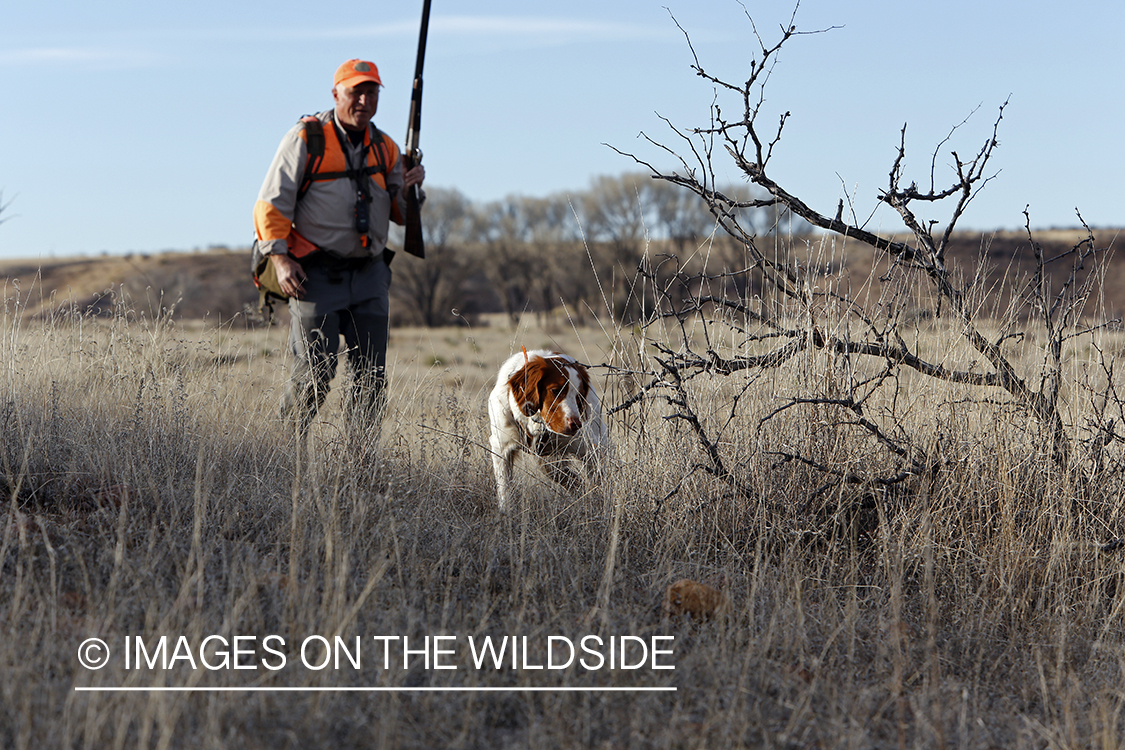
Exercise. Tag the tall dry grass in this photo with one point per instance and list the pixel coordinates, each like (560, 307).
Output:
(147, 491)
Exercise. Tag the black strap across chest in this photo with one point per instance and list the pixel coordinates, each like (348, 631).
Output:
(315, 143)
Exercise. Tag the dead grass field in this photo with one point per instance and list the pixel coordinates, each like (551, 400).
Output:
(147, 491)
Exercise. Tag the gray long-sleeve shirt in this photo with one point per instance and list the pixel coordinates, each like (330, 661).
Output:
(325, 216)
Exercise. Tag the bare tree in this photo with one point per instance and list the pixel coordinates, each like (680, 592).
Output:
(865, 336)
(436, 286)
(680, 216)
(501, 229)
(617, 218)
(616, 209)
(550, 234)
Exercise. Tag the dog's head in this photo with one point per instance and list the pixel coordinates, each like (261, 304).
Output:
(553, 388)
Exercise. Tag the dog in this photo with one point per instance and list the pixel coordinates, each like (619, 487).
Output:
(543, 403)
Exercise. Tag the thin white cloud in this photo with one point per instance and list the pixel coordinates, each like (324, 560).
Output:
(522, 28)
(399, 28)
(89, 56)
(525, 31)
(526, 26)
(516, 27)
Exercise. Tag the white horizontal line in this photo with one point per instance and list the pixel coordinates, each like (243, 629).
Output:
(517, 689)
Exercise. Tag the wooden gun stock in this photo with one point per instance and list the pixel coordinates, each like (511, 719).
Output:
(413, 242)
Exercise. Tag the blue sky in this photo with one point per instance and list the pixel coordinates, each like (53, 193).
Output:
(141, 126)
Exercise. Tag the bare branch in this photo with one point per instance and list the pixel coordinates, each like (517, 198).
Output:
(778, 308)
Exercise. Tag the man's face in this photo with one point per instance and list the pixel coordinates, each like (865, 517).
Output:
(356, 106)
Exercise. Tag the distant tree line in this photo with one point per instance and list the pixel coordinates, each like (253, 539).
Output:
(581, 250)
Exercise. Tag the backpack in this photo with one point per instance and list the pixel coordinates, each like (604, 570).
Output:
(265, 277)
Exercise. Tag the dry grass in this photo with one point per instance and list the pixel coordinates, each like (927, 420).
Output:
(147, 491)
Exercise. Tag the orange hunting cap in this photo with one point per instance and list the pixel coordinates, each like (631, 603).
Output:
(354, 72)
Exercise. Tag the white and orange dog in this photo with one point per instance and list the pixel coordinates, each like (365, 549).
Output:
(544, 403)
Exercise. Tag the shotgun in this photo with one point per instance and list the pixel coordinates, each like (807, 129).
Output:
(412, 155)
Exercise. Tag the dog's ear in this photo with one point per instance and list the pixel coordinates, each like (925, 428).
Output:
(525, 386)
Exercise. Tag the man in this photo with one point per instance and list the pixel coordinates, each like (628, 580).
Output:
(326, 239)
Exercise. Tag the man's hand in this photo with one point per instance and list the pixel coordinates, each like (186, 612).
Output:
(290, 276)
(414, 176)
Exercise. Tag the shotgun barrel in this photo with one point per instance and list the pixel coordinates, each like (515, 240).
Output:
(412, 155)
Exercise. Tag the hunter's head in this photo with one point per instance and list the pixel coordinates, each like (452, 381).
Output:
(356, 91)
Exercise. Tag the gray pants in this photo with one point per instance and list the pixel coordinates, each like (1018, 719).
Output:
(354, 303)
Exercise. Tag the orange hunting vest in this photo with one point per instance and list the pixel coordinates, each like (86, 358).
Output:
(326, 161)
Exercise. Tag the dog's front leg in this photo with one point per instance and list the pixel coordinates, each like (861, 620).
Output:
(503, 460)
(559, 470)
(596, 455)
